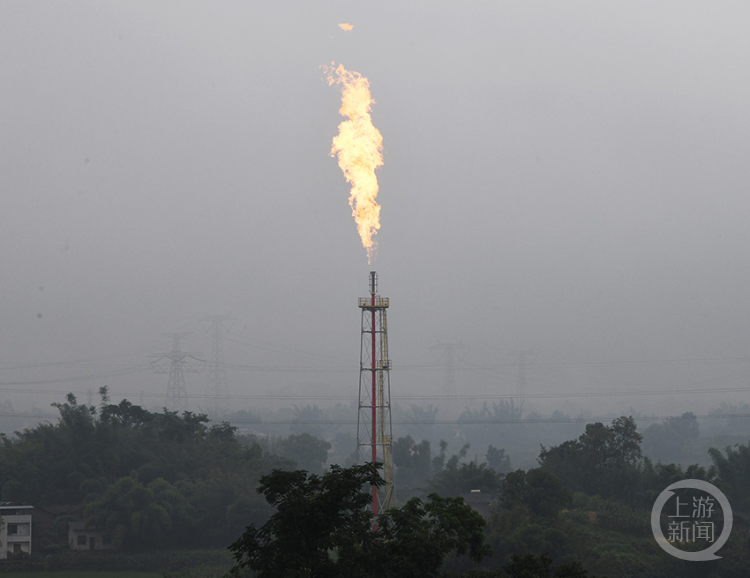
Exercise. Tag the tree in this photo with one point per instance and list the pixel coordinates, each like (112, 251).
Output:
(138, 515)
(531, 566)
(734, 471)
(321, 528)
(455, 480)
(314, 515)
(498, 460)
(498, 421)
(603, 460)
(414, 541)
(667, 441)
(612, 447)
(307, 451)
(438, 462)
(413, 460)
(538, 491)
(147, 477)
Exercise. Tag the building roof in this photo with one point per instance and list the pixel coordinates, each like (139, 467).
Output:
(14, 506)
(80, 526)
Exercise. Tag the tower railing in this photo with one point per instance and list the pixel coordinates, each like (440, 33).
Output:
(378, 303)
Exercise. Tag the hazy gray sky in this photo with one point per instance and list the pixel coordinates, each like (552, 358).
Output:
(565, 176)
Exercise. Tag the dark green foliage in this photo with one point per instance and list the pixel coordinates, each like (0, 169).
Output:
(223, 432)
(612, 515)
(603, 460)
(413, 541)
(513, 531)
(413, 462)
(174, 563)
(607, 527)
(126, 415)
(418, 470)
(152, 479)
(314, 515)
(159, 480)
(667, 441)
(322, 529)
(307, 451)
(531, 566)
(457, 479)
(653, 478)
(140, 516)
(733, 470)
(538, 491)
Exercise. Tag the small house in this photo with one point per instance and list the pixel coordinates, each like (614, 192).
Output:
(15, 530)
(82, 538)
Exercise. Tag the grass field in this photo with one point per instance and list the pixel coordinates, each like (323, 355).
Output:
(81, 575)
(210, 563)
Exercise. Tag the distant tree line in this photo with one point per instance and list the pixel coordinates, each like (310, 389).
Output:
(164, 480)
(153, 480)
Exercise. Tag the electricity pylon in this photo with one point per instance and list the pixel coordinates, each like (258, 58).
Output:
(449, 354)
(218, 386)
(524, 357)
(176, 363)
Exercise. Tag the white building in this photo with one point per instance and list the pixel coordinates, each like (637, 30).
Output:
(82, 538)
(15, 530)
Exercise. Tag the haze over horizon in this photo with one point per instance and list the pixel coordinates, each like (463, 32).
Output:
(564, 178)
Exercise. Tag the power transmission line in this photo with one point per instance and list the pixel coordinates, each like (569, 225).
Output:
(586, 419)
(554, 395)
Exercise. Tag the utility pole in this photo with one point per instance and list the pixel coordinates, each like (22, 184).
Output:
(176, 363)
(218, 386)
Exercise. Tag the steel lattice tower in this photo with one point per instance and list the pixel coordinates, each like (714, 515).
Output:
(524, 358)
(449, 353)
(179, 362)
(218, 385)
(374, 428)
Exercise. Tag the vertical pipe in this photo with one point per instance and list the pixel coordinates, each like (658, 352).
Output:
(374, 411)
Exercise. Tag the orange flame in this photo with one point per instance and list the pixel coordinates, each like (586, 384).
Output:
(359, 147)
(345, 26)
